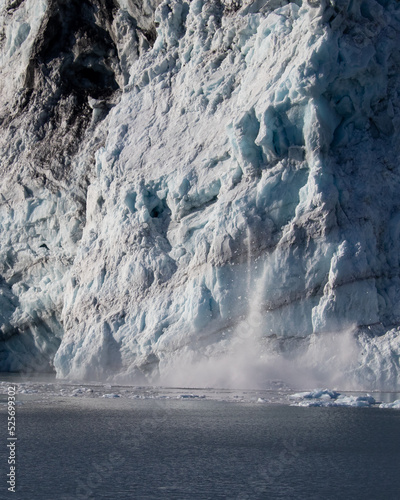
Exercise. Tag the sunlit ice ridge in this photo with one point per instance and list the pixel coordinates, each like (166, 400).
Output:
(201, 193)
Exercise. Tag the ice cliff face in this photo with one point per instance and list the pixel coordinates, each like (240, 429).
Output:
(196, 181)
(63, 65)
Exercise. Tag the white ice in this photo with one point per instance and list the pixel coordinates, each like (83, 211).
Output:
(244, 206)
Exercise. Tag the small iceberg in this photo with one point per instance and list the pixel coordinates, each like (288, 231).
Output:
(327, 398)
(395, 404)
(316, 394)
(81, 391)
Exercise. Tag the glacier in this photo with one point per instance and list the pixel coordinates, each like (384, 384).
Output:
(201, 193)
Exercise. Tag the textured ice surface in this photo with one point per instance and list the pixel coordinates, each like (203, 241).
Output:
(316, 394)
(327, 398)
(240, 219)
(395, 404)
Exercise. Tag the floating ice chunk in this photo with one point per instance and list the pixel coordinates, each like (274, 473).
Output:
(395, 404)
(316, 394)
(340, 400)
(77, 392)
(111, 396)
(324, 397)
(190, 396)
(360, 401)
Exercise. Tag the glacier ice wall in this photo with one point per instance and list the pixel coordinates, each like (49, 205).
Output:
(63, 64)
(211, 188)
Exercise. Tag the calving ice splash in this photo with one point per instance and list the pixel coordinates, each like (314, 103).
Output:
(236, 218)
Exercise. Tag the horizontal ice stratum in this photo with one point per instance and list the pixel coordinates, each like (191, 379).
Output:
(201, 192)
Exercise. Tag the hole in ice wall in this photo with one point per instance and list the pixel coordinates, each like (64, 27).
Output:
(156, 212)
(100, 202)
(153, 199)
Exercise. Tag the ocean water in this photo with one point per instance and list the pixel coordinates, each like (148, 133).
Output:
(199, 448)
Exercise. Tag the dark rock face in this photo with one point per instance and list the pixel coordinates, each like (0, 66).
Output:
(74, 59)
(80, 48)
(75, 72)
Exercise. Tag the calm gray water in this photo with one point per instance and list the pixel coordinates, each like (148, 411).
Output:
(200, 449)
